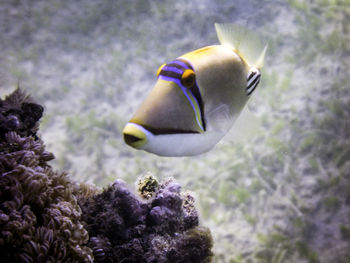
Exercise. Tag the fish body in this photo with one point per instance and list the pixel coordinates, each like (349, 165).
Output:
(197, 98)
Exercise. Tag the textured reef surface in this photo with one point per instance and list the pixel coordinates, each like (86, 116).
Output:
(44, 217)
(39, 215)
(123, 228)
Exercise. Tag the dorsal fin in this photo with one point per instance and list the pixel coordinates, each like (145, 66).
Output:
(245, 42)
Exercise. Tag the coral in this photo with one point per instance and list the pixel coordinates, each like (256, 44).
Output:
(39, 215)
(124, 228)
(41, 220)
(20, 114)
(146, 186)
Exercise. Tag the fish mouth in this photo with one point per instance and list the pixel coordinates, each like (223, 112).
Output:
(132, 139)
(135, 135)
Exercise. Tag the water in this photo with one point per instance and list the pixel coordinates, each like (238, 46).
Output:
(278, 194)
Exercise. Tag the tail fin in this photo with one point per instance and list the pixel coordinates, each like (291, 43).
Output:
(244, 41)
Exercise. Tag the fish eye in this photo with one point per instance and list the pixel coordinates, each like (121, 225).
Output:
(188, 78)
(160, 69)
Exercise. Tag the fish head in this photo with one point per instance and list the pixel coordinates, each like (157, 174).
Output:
(172, 111)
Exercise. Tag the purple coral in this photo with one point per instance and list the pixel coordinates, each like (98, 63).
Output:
(20, 114)
(39, 215)
(41, 221)
(163, 229)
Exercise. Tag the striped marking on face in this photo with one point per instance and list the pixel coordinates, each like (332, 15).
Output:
(173, 72)
(253, 80)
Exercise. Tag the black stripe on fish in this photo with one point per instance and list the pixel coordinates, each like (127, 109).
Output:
(173, 65)
(186, 63)
(253, 81)
(251, 75)
(253, 86)
(180, 64)
(177, 64)
(196, 93)
(164, 131)
(166, 71)
(171, 74)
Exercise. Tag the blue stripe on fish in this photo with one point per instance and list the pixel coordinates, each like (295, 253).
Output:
(182, 64)
(172, 69)
(185, 92)
(173, 72)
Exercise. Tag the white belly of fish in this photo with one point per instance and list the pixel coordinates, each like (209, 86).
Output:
(186, 144)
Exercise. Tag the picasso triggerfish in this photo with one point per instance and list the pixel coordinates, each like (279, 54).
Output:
(198, 96)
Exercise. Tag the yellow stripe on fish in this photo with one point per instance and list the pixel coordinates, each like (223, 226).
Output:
(198, 96)
(181, 72)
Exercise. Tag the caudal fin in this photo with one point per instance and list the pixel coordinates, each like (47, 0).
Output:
(244, 41)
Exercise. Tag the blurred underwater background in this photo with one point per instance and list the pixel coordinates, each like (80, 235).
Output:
(277, 187)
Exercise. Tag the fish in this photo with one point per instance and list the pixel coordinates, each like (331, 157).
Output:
(198, 96)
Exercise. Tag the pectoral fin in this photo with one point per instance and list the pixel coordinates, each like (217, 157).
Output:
(219, 118)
